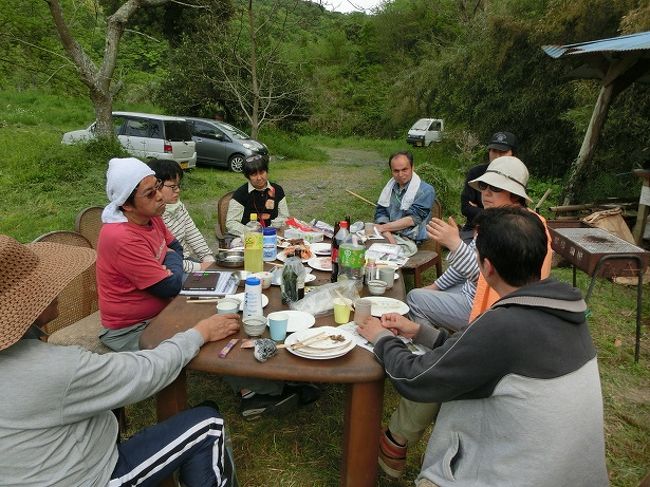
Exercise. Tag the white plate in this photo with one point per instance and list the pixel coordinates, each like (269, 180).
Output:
(381, 305)
(320, 263)
(316, 354)
(321, 248)
(298, 321)
(240, 296)
(308, 278)
(282, 257)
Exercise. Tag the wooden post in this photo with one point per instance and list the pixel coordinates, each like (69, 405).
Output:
(644, 205)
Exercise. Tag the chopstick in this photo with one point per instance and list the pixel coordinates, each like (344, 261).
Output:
(203, 300)
(309, 341)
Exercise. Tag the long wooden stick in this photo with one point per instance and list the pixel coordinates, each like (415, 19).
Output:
(361, 198)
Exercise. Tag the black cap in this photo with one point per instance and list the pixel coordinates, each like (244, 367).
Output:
(503, 141)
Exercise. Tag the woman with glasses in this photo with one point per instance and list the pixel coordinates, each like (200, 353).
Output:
(197, 256)
(139, 262)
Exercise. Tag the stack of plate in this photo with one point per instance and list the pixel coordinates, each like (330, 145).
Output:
(335, 343)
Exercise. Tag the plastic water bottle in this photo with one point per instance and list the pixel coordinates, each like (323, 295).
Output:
(252, 298)
(270, 240)
(292, 284)
(253, 245)
(351, 260)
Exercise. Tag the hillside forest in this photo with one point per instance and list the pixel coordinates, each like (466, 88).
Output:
(294, 66)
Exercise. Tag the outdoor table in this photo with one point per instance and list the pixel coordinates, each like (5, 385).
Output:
(358, 369)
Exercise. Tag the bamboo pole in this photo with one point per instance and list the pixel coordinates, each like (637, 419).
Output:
(361, 198)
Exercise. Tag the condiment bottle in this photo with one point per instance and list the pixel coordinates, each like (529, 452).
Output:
(270, 240)
(252, 298)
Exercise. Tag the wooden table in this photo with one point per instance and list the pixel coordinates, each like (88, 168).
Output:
(358, 369)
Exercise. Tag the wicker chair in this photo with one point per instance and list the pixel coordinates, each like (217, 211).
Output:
(78, 322)
(429, 254)
(89, 222)
(222, 212)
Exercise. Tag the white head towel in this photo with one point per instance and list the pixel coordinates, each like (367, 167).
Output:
(409, 196)
(123, 175)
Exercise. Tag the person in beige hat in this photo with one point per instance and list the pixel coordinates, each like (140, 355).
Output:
(56, 424)
(455, 299)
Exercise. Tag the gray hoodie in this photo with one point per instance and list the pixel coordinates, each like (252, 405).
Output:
(521, 394)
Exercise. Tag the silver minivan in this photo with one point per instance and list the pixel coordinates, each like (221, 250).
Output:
(148, 136)
(221, 144)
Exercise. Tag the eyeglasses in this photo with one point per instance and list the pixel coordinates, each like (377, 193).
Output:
(174, 187)
(483, 186)
(151, 193)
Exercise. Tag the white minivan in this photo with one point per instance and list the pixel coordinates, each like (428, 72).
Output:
(148, 136)
(425, 132)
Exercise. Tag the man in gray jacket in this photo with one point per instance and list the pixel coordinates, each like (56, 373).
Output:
(56, 425)
(519, 387)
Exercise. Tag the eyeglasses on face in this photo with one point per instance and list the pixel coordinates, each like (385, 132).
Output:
(151, 193)
(483, 186)
(174, 187)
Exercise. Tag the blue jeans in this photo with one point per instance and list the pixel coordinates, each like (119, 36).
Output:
(192, 442)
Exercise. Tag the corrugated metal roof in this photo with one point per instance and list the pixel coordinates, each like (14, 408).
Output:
(632, 42)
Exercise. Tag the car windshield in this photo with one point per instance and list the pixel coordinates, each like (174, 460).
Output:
(421, 124)
(235, 132)
(176, 131)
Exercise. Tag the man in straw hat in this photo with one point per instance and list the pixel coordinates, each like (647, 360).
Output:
(56, 424)
(520, 390)
(455, 299)
(139, 262)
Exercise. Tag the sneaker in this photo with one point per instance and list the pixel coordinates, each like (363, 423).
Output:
(306, 391)
(392, 457)
(263, 404)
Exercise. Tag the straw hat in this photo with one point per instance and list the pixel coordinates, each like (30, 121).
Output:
(31, 276)
(507, 173)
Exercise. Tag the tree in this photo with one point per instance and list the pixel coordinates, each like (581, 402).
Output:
(251, 68)
(99, 79)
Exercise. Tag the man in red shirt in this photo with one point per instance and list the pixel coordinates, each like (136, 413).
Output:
(139, 262)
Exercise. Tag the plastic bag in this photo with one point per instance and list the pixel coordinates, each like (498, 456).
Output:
(320, 300)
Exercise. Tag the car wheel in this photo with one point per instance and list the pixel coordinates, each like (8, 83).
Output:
(236, 163)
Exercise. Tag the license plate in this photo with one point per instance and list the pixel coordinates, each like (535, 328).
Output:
(185, 164)
(419, 144)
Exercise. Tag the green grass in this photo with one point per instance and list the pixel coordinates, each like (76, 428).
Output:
(46, 184)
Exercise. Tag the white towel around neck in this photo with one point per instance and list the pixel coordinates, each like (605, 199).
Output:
(409, 196)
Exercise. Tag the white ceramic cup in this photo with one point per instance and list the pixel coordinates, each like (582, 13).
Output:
(387, 274)
(227, 306)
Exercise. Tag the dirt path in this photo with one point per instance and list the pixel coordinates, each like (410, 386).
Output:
(360, 171)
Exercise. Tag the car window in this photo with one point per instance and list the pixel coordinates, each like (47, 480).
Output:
(234, 131)
(201, 129)
(137, 128)
(177, 130)
(421, 124)
(435, 125)
(155, 129)
(118, 123)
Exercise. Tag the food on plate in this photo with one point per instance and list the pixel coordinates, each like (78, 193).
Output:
(303, 251)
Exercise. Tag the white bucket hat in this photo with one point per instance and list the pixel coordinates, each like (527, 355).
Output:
(507, 173)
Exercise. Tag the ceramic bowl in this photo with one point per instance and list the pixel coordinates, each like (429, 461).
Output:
(254, 326)
(376, 287)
